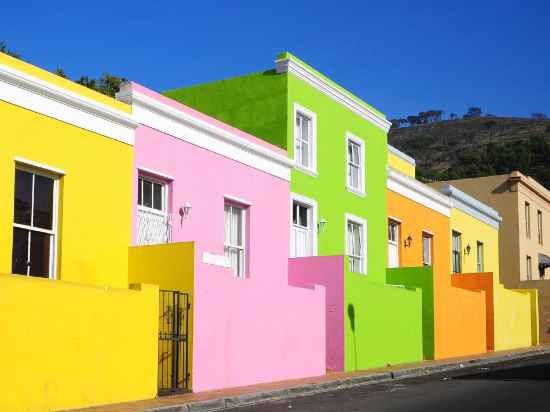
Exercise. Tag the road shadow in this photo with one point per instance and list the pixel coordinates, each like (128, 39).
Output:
(531, 372)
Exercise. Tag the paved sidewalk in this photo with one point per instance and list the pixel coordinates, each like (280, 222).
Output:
(246, 395)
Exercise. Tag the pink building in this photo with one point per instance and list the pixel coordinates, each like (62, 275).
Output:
(199, 180)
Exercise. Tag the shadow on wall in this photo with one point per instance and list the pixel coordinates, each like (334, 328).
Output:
(351, 316)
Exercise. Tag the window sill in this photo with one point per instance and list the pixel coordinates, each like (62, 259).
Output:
(356, 192)
(307, 171)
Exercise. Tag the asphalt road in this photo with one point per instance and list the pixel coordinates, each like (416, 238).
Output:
(517, 386)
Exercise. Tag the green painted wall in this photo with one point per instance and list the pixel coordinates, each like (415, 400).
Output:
(388, 320)
(383, 324)
(420, 278)
(255, 103)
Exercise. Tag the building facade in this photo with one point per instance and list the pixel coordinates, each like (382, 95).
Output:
(68, 311)
(419, 235)
(338, 201)
(523, 243)
(211, 219)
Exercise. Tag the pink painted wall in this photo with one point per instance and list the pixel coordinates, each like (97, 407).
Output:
(245, 331)
(327, 271)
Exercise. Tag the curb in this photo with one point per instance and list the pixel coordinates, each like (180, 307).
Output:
(370, 379)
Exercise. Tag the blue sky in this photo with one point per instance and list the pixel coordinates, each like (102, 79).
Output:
(400, 56)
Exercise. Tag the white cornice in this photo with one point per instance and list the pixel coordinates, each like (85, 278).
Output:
(184, 126)
(304, 73)
(401, 155)
(418, 192)
(40, 96)
(472, 206)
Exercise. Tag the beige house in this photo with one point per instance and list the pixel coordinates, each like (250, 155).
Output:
(524, 242)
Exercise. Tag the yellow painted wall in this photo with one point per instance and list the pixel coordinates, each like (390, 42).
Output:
(401, 165)
(512, 309)
(67, 345)
(95, 194)
(172, 267)
(65, 83)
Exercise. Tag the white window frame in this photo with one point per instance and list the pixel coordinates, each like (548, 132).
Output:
(527, 212)
(540, 227)
(244, 211)
(459, 252)
(362, 169)
(312, 204)
(480, 264)
(55, 175)
(312, 169)
(165, 189)
(429, 235)
(363, 222)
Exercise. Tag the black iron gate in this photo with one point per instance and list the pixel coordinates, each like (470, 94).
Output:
(173, 373)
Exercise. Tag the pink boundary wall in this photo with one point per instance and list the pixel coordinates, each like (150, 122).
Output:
(329, 272)
(245, 331)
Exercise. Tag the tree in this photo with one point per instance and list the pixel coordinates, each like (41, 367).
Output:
(4, 49)
(473, 113)
(109, 84)
(453, 116)
(60, 72)
(538, 116)
(413, 120)
(86, 81)
(395, 124)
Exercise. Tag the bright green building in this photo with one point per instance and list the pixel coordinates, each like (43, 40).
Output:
(338, 199)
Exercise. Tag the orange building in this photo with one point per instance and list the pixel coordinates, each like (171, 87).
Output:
(460, 307)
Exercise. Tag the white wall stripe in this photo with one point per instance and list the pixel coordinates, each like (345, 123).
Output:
(418, 192)
(184, 126)
(292, 66)
(37, 95)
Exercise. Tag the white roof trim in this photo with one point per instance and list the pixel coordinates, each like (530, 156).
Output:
(184, 126)
(418, 192)
(304, 73)
(401, 155)
(472, 206)
(156, 173)
(41, 166)
(40, 96)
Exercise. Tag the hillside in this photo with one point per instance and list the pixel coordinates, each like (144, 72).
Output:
(454, 149)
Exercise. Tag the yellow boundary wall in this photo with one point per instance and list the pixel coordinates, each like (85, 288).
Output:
(68, 345)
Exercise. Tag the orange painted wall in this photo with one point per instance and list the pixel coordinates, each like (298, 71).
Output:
(459, 312)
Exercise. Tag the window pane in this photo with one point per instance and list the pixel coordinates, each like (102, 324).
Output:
(20, 251)
(23, 197)
(43, 202)
(238, 218)
(304, 161)
(305, 129)
(303, 216)
(227, 224)
(157, 196)
(427, 249)
(40, 255)
(147, 194)
(140, 193)
(355, 157)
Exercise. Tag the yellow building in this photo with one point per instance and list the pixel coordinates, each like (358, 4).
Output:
(401, 162)
(474, 248)
(74, 333)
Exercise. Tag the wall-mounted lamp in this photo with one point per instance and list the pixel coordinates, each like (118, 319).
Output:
(468, 249)
(185, 211)
(322, 225)
(408, 241)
